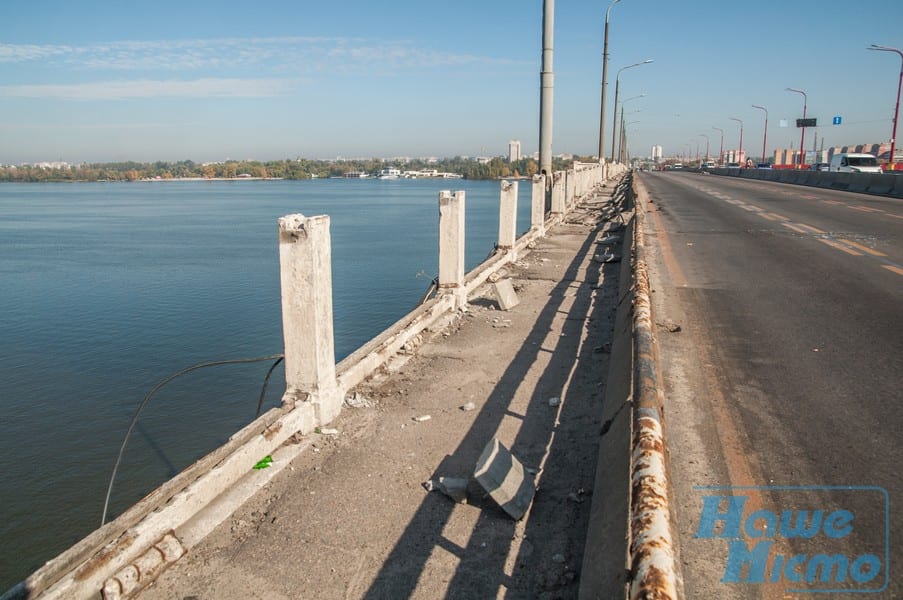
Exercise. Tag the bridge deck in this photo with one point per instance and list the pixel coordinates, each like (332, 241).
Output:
(350, 519)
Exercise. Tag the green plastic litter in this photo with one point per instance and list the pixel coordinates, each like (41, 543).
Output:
(265, 462)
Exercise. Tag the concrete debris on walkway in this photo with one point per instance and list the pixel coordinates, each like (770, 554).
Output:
(505, 480)
(506, 295)
(453, 487)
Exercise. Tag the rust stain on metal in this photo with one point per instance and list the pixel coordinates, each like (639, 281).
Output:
(102, 558)
(652, 561)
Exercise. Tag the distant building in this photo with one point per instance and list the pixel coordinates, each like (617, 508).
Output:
(514, 151)
(656, 153)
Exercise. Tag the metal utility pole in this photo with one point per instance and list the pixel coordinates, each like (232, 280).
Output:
(765, 133)
(604, 82)
(893, 133)
(803, 133)
(546, 92)
(721, 148)
(614, 124)
(739, 152)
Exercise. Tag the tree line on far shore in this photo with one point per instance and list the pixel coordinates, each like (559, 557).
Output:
(280, 169)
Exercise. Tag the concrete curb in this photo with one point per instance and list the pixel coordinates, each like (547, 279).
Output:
(653, 572)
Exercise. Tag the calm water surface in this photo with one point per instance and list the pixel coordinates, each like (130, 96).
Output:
(107, 288)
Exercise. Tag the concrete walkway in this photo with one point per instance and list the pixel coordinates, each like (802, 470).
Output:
(349, 518)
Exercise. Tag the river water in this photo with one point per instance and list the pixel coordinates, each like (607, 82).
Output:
(107, 288)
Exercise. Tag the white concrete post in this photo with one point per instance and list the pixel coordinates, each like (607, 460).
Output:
(558, 200)
(508, 216)
(570, 187)
(451, 246)
(538, 205)
(305, 264)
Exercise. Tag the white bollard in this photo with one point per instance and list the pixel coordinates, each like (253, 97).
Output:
(451, 246)
(305, 263)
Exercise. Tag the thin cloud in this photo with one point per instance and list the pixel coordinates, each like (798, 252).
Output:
(303, 53)
(148, 88)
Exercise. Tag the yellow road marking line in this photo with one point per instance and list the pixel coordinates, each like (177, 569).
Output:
(896, 270)
(866, 208)
(779, 217)
(834, 244)
(861, 247)
(794, 227)
(768, 216)
(811, 228)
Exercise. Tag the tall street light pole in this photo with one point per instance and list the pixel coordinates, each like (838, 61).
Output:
(741, 137)
(604, 83)
(643, 95)
(706, 146)
(893, 135)
(764, 133)
(721, 148)
(547, 85)
(803, 134)
(614, 124)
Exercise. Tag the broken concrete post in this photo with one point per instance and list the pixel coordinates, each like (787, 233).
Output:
(305, 263)
(508, 217)
(504, 291)
(538, 205)
(451, 246)
(558, 199)
(504, 478)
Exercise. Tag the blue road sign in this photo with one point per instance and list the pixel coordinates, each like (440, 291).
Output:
(838, 120)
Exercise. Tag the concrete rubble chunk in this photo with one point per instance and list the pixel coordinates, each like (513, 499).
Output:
(506, 295)
(453, 487)
(505, 479)
(358, 400)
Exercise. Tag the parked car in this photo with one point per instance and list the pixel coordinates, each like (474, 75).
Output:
(763, 166)
(849, 162)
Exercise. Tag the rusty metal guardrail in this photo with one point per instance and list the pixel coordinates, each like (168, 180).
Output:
(652, 559)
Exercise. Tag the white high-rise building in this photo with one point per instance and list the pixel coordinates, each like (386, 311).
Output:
(514, 150)
(656, 153)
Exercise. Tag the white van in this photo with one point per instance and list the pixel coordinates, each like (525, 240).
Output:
(849, 162)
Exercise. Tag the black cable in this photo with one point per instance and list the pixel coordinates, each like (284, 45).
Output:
(106, 502)
(266, 381)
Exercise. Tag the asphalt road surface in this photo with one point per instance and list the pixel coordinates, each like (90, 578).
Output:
(783, 383)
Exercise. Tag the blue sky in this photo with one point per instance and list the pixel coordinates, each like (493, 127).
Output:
(206, 81)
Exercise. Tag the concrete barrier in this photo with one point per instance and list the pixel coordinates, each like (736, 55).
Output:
(897, 190)
(881, 184)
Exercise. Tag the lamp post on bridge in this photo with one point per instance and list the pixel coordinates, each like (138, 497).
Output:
(614, 124)
(765, 133)
(604, 83)
(643, 95)
(803, 134)
(741, 136)
(721, 149)
(893, 134)
(623, 119)
(706, 146)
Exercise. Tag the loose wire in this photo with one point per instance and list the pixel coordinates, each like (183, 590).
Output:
(106, 502)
